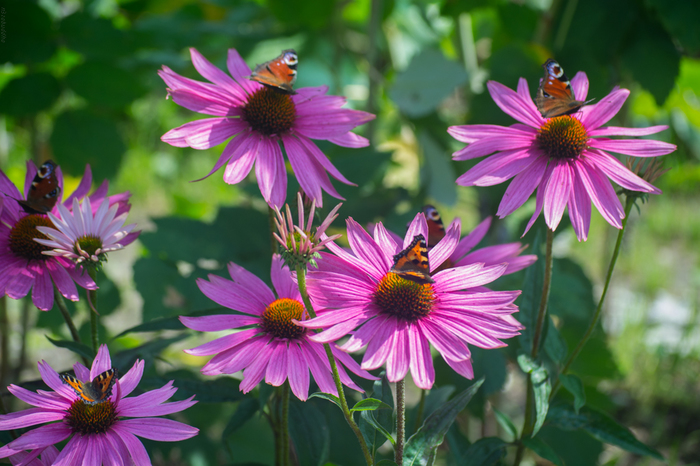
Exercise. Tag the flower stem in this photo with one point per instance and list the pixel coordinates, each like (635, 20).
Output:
(400, 421)
(596, 316)
(273, 228)
(301, 280)
(528, 424)
(285, 423)
(61, 303)
(92, 301)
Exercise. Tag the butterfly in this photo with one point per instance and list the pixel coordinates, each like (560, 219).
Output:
(436, 230)
(412, 263)
(44, 191)
(97, 391)
(279, 73)
(555, 96)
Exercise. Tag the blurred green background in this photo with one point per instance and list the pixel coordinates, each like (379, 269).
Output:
(78, 84)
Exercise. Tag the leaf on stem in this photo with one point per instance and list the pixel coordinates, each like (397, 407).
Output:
(541, 387)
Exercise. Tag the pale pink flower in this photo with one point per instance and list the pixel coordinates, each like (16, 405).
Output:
(260, 120)
(565, 158)
(398, 320)
(272, 346)
(99, 433)
(23, 266)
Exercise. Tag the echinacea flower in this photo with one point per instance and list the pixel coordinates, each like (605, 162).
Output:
(565, 158)
(273, 347)
(354, 292)
(260, 120)
(23, 266)
(99, 433)
(84, 236)
(300, 246)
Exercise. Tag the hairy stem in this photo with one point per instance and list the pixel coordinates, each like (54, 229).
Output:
(301, 280)
(528, 424)
(599, 309)
(400, 420)
(92, 301)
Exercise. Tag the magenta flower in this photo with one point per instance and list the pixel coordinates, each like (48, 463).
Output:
(564, 157)
(274, 347)
(23, 266)
(98, 433)
(258, 119)
(48, 456)
(399, 319)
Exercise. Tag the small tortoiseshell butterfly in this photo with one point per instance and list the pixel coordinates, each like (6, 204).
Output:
(555, 96)
(412, 263)
(436, 230)
(279, 73)
(44, 191)
(97, 391)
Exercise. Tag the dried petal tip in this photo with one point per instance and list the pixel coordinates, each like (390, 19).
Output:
(299, 245)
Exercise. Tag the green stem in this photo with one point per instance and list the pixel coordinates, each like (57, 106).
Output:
(61, 303)
(596, 317)
(92, 300)
(564, 25)
(400, 421)
(273, 228)
(285, 423)
(301, 280)
(528, 424)
(24, 319)
(373, 55)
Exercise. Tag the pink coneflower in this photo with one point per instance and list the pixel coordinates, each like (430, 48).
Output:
(23, 266)
(259, 119)
(84, 236)
(300, 245)
(99, 433)
(48, 456)
(398, 319)
(564, 157)
(273, 347)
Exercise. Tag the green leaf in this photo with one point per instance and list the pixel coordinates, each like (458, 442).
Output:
(369, 420)
(80, 349)
(554, 344)
(422, 445)
(220, 390)
(532, 293)
(376, 426)
(385, 463)
(574, 385)
(148, 352)
(326, 396)
(485, 452)
(80, 137)
(602, 427)
(541, 386)
(27, 35)
(545, 451)
(505, 422)
(428, 80)
(438, 170)
(680, 20)
(245, 411)
(369, 404)
(29, 94)
(572, 291)
(104, 84)
(457, 444)
(95, 37)
(309, 431)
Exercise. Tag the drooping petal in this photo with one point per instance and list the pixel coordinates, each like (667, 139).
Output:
(556, 194)
(513, 104)
(633, 147)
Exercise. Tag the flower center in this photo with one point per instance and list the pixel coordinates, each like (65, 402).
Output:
(87, 419)
(277, 318)
(22, 236)
(269, 111)
(562, 137)
(89, 243)
(403, 298)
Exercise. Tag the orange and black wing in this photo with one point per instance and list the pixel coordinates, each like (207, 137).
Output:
(280, 73)
(412, 263)
(555, 96)
(97, 391)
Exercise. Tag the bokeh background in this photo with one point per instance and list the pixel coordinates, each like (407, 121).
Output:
(78, 85)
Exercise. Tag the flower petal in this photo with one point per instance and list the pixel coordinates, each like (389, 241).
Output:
(633, 147)
(556, 194)
(595, 116)
(513, 104)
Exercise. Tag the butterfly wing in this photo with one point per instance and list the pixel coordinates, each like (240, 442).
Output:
(44, 191)
(280, 73)
(412, 263)
(97, 391)
(555, 97)
(436, 229)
